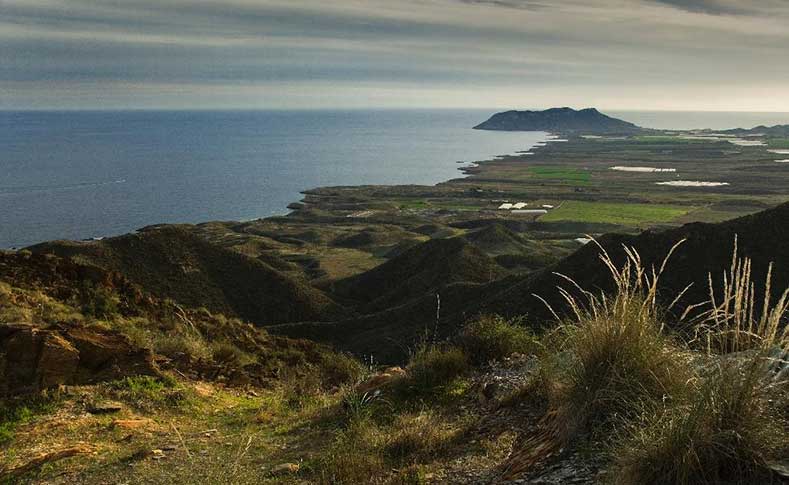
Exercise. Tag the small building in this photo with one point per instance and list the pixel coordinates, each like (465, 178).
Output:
(547, 206)
(505, 206)
(519, 205)
(533, 212)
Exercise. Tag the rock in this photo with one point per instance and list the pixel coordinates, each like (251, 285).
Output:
(157, 454)
(33, 358)
(285, 469)
(380, 380)
(105, 407)
(490, 390)
(132, 423)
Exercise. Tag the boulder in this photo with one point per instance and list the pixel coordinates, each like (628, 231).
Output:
(33, 358)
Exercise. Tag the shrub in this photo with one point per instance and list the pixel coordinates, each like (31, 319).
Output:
(418, 436)
(354, 457)
(613, 358)
(228, 354)
(176, 345)
(725, 430)
(433, 366)
(732, 422)
(338, 369)
(492, 337)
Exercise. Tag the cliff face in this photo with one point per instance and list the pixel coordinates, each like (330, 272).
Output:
(558, 120)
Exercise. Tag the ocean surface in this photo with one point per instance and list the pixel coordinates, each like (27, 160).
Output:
(78, 175)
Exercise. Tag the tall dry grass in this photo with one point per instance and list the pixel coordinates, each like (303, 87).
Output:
(613, 357)
(731, 424)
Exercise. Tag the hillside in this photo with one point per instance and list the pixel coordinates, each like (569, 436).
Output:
(708, 249)
(558, 120)
(416, 272)
(171, 262)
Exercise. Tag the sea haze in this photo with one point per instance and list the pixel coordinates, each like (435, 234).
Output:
(76, 175)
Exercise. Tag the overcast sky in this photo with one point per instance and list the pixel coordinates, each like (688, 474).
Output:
(636, 54)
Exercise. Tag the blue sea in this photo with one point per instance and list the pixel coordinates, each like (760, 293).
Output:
(79, 175)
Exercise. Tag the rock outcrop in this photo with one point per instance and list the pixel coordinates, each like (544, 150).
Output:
(34, 358)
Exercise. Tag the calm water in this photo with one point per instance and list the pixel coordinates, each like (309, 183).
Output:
(77, 175)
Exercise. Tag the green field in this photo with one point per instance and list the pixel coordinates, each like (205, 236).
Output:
(665, 139)
(612, 213)
(565, 174)
(778, 143)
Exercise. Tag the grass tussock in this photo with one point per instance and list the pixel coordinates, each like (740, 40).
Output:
(613, 357)
(726, 430)
(433, 366)
(492, 337)
(708, 411)
(375, 450)
(733, 423)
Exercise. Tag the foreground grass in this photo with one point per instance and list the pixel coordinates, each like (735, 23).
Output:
(709, 411)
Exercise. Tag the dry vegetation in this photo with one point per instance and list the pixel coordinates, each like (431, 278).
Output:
(653, 406)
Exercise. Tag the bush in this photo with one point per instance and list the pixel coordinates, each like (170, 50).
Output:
(354, 457)
(178, 345)
(493, 337)
(724, 431)
(609, 366)
(338, 369)
(418, 436)
(613, 359)
(228, 354)
(433, 366)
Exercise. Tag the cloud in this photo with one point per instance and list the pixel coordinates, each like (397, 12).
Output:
(56, 52)
(726, 7)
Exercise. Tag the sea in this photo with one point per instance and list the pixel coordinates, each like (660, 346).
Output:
(90, 174)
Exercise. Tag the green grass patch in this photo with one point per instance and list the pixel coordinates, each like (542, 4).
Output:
(15, 414)
(778, 143)
(665, 139)
(571, 175)
(614, 213)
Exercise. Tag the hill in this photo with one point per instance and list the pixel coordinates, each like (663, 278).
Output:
(511, 250)
(171, 262)
(771, 131)
(708, 249)
(561, 120)
(418, 271)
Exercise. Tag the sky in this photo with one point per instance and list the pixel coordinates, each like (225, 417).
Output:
(727, 55)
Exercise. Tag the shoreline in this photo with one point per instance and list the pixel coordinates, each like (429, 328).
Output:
(287, 210)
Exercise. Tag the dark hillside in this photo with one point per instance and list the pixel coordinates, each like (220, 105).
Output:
(173, 263)
(388, 334)
(418, 271)
(708, 249)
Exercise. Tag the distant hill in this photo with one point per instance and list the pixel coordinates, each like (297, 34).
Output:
(418, 271)
(771, 131)
(560, 120)
(708, 249)
(171, 262)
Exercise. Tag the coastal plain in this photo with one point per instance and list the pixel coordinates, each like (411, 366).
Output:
(569, 187)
